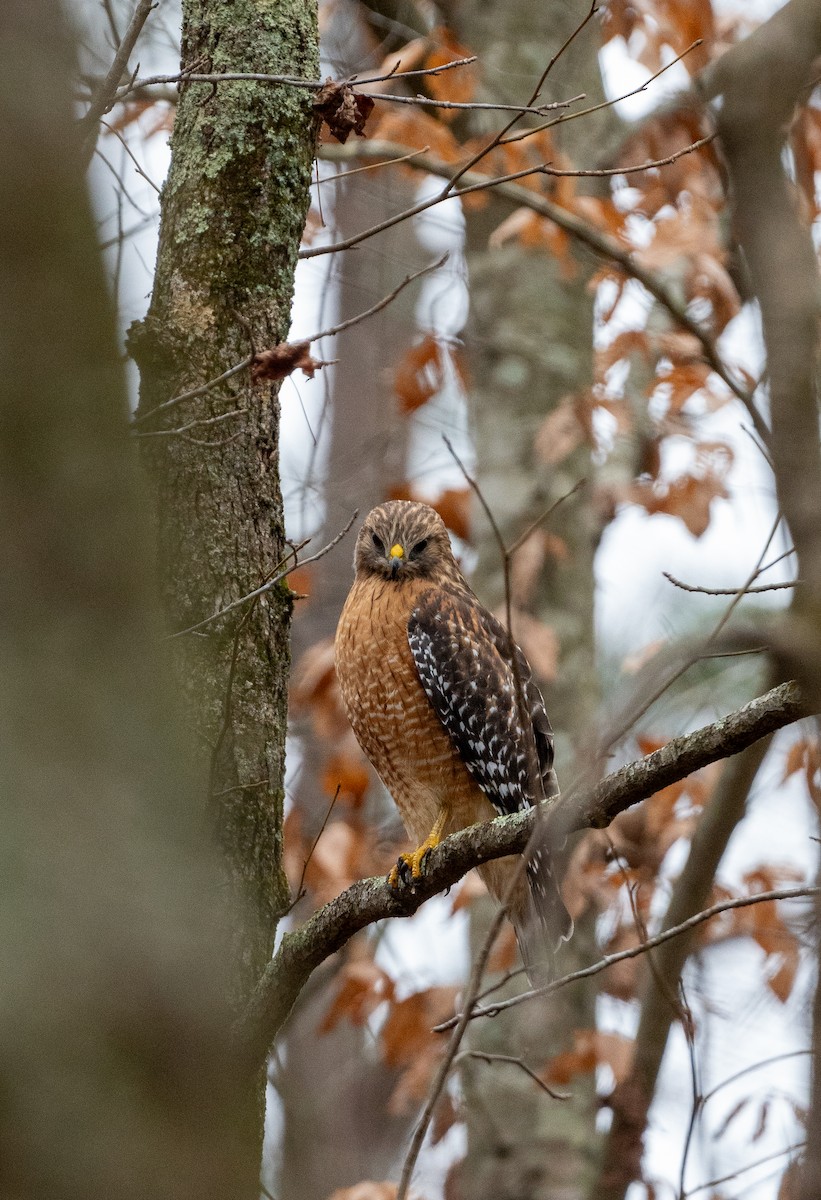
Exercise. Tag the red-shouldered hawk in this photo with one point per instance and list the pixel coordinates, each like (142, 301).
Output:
(443, 703)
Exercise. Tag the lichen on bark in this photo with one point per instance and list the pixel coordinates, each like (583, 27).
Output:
(233, 210)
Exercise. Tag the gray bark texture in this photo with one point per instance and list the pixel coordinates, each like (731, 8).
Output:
(113, 1025)
(233, 210)
(530, 347)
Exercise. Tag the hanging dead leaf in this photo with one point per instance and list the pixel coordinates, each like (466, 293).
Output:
(805, 755)
(623, 345)
(454, 507)
(537, 233)
(409, 1044)
(689, 498)
(270, 365)
(407, 1032)
(315, 690)
(681, 381)
(505, 953)
(619, 19)
(294, 847)
(343, 110)
(407, 58)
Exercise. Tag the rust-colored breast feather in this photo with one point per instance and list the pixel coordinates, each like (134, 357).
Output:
(391, 715)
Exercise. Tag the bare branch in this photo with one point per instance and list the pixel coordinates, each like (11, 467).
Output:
(496, 181)
(747, 591)
(584, 233)
(106, 94)
(652, 943)
(190, 77)
(483, 1056)
(371, 900)
(249, 358)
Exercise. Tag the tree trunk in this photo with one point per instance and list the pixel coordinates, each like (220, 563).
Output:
(233, 210)
(113, 1026)
(530, 347)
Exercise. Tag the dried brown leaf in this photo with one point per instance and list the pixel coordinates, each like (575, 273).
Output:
(418, 376)
(417, 131)
(362, 987)
(368, 1189)
(343, 110)
(280, 361)
(457, 85)
(445, 1116)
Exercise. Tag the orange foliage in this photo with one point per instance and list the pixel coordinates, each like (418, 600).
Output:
(591, 1048)
(457, 85)
(415, 129)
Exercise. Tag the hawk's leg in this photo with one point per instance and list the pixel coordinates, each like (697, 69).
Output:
(415, 861)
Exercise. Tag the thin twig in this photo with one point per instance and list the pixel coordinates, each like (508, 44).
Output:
(271, 583)
(396, 74)
(443, 1070)
(705, 591)
(601, 244)
(609, 960)
(369, 167)
(192, 394)
(483, 1056)
(299, 893)
(586, 112)
(131, 155)
(197, 423)
(189, 77)
(496, 140)
(383, 303)
(759, 1162)
(106, 94)
(422, 206)
(249, 358)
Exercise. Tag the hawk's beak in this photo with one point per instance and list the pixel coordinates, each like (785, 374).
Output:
(396, 555)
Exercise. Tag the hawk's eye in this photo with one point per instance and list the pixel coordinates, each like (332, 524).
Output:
(378, 543)
(419, 547)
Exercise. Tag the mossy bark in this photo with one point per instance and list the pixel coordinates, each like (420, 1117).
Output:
(233, 210)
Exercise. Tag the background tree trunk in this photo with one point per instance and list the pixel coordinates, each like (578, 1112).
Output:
(337, 1080)
(530, 348)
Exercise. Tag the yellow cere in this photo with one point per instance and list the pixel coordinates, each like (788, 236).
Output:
(397, 551)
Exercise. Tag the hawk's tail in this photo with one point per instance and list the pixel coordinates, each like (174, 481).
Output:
(536, 910)
(540, 919)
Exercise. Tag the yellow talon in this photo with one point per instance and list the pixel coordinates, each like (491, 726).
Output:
(416, 858)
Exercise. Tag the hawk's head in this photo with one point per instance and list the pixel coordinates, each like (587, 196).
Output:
(404, 540)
